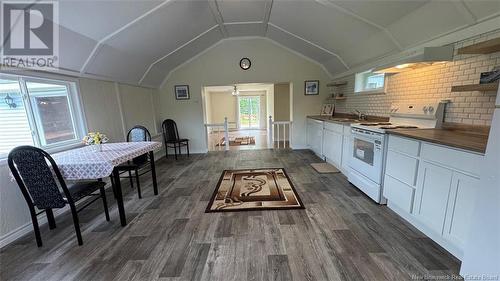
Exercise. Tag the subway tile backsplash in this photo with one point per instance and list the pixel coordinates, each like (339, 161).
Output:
(433, 83)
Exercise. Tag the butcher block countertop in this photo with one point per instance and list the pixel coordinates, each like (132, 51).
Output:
(459, 138)
(344, 119)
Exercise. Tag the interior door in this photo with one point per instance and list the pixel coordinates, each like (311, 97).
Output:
(249, 112)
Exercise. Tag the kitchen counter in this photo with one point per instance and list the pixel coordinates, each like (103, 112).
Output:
(473, 141)
(346, 119)
(342, 121)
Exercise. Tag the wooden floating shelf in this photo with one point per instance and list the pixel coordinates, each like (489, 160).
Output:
(475, 87)
(486, 47)
(336, 84)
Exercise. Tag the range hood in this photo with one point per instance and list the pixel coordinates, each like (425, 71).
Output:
(420, 58)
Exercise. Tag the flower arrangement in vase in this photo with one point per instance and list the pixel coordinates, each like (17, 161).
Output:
(96, 139)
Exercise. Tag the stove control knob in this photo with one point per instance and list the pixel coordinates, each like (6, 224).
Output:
(425, 109)
(431, 109)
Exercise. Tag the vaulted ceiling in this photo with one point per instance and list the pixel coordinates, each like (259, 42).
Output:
(140, 42)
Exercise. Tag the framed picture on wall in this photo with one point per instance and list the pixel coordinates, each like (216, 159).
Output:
(181, 92)
(311, 87)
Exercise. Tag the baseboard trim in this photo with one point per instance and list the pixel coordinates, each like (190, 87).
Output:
(19, 232)
(299, 147)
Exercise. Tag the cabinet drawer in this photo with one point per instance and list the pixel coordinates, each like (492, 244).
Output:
(401, 167)
(411, 147)
(453, 158)
(334, 127)
(398, 193)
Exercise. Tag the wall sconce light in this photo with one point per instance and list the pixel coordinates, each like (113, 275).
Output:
(10, 101)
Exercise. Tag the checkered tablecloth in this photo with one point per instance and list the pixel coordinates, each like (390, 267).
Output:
(87, 163)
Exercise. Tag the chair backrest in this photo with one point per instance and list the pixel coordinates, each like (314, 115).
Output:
(138, 133)
(170, 132)
(29, 167)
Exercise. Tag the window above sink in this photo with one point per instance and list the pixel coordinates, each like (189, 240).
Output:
(370, 82)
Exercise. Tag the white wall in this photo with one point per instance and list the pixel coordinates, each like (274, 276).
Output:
(137, 107)
(271, 63)
(100, 100)
(282, 102)
(223, 104)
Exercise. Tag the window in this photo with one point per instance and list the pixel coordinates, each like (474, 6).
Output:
(369, 82)
(40, 112)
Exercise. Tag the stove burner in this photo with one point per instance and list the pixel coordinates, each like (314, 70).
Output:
(388, 127)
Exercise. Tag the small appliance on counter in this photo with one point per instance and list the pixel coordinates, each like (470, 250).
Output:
(369, 143)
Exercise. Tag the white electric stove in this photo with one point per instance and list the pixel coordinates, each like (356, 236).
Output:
(369, 143)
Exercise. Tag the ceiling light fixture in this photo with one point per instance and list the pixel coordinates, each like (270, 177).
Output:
(404, 65)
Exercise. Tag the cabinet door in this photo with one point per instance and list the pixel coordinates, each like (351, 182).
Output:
(346, 152)
(460, 208)
(318, 138)
(309, 133)
(332, 147)
(433, 189)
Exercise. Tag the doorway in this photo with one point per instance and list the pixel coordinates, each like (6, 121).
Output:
(247, 108)
(249, 116)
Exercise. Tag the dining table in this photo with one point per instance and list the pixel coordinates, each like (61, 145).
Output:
(95, 163)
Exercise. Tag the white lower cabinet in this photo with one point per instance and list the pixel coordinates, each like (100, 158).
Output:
(332, 147)
(315, 136)
(399, 193)
(460, 207)
(331, 141)
(346, 151)
(433, 189)
(440, 201)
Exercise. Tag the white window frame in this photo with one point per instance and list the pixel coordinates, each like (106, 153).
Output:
(360, 83)
(75, 107)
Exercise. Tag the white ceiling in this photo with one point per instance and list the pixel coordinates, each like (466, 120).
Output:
(141, 41)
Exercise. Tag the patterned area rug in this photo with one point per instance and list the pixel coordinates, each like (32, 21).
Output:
(257, 189)
(237, 141)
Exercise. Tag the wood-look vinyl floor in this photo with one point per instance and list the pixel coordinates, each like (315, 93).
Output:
(341, 235)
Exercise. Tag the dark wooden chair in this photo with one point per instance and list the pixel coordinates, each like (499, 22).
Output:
(36, 180)
(171, 138)
(140, 163)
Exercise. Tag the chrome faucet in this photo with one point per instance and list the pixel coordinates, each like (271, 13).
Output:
(361, 116)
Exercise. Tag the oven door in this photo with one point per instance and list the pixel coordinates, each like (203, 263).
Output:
(367, 154)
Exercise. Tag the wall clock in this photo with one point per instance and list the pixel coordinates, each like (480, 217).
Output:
(245, 63)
